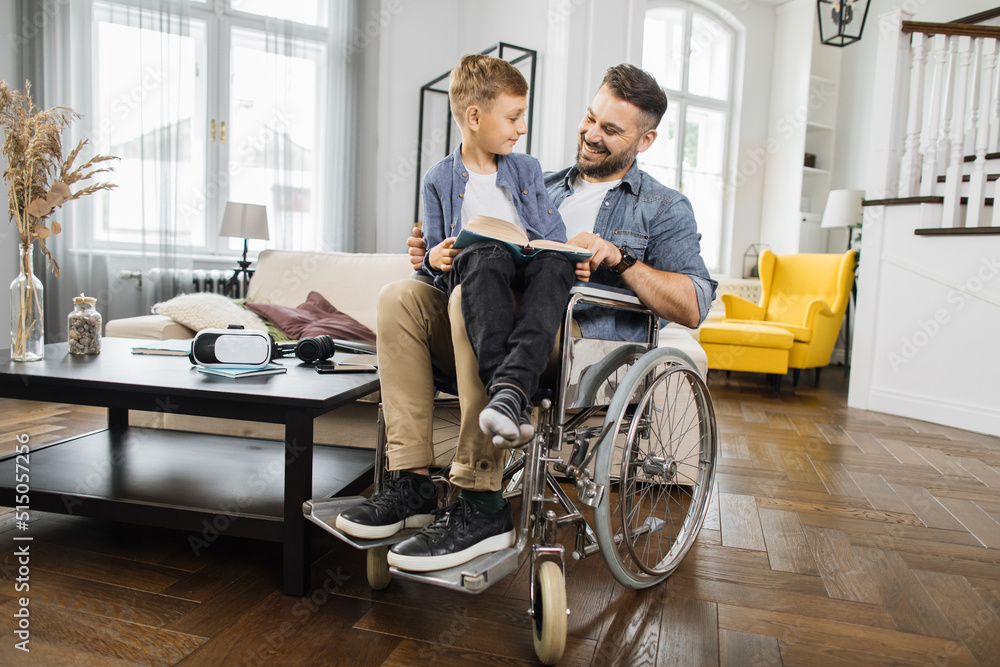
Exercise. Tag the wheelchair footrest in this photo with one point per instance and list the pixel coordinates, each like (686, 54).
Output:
(473, 577)
(324, 513)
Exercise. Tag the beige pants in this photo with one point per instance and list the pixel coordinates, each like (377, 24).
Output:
(418, 326)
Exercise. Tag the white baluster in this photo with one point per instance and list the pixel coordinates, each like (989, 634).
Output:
(947, 93)
(996, 204)
(995, 107)
(985, 63)
(953, 177)
(909, 167)
(929, 138)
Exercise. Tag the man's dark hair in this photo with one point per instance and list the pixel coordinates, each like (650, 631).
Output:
(639, 88)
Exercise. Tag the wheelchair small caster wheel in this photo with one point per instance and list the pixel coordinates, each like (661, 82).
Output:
(549, 622)
(378, 568)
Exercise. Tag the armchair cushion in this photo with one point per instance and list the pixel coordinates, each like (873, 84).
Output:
(800, 334)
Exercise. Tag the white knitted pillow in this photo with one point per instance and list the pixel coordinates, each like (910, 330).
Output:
(208, 311)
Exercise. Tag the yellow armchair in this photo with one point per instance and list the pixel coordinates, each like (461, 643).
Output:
(795, 325)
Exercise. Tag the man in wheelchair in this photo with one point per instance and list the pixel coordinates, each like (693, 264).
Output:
(644, 238)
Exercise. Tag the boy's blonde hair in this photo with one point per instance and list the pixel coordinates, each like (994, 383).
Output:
(479, 80)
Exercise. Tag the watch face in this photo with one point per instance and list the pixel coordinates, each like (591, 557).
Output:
(628, 259)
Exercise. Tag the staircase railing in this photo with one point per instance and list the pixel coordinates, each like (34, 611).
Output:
(946, 96)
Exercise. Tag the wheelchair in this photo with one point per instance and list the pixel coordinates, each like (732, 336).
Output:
(632, 427)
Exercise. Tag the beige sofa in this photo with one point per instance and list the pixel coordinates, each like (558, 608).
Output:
(349, 281)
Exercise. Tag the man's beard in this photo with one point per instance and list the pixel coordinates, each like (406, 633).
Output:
(609, 165)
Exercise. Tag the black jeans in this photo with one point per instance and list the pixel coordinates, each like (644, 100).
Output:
(512, 346)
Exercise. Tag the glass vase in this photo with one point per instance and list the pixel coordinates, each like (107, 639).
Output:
(27, 331)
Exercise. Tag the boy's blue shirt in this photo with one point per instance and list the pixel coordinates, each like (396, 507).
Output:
(444, 189)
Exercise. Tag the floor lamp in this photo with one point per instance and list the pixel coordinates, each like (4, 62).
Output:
(843, 209)
(243, 221)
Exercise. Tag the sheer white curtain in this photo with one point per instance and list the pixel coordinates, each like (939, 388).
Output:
(122, 68)
(204, 102)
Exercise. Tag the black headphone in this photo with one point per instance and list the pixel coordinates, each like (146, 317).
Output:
(308, 350)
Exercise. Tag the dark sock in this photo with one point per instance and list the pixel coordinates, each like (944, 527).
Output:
(488, 502)
(417, 476)
(510, 403)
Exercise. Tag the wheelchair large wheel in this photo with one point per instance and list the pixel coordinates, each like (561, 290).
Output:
(549, 613)
(657, 465)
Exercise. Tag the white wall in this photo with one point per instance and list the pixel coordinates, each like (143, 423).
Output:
(9, 72)
(576, 40)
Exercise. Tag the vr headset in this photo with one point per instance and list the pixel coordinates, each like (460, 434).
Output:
(237, 346)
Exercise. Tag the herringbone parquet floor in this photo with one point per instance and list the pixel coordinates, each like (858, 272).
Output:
(836, 537)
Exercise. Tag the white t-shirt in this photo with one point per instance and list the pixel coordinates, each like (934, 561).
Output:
(579, 211)
(484, 197)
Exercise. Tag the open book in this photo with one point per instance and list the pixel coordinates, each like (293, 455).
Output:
(484, 228)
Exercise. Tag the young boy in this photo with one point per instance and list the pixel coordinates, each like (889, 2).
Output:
(485, 177)
(482, 177)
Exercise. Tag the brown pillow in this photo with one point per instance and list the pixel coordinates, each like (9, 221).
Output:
(314, 317)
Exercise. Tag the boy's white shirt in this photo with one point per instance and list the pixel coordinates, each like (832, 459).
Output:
(580, 211)
(484, 197)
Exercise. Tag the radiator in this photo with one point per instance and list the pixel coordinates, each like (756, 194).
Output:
(160, 284)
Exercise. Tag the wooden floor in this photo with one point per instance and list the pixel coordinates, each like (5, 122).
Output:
(837, 536)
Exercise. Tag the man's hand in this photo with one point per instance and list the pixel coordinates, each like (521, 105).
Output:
(605, 252)
(417, 248)
(443, 254)
(670, 295)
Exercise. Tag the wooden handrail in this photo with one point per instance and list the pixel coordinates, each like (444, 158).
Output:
(952, 29)
(980, 17)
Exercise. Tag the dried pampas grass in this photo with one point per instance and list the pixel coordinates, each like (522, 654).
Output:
(37, 174)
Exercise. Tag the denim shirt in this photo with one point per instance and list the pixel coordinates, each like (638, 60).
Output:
(444, 189)
(658, 224)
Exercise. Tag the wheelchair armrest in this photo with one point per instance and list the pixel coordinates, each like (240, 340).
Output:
(605, 295)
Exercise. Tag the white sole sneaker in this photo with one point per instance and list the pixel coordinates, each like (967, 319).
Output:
(366, 532)
(443, 562)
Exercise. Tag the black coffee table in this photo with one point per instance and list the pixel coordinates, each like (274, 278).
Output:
(207, 484)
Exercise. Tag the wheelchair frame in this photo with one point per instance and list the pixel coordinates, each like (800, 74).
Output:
(590, 382)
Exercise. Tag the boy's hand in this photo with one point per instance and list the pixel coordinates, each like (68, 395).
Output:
(417, 248)
(583, 271)
(443, 254)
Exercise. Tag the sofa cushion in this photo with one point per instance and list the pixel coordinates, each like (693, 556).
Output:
(314, 317)
(206, 310)
(352, 281)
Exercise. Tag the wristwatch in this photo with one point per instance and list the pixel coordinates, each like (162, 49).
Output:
(628, 260)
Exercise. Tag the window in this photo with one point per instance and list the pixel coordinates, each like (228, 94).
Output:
(691, 53)
(218, 106)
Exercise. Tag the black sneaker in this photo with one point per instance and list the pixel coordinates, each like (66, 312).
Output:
(404, 502)
(459, 533)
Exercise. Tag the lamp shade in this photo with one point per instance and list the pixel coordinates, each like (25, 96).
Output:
(244, 221)
(843, 208)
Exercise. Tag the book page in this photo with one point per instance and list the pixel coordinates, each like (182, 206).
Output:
(496, 228)
(556, 245)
